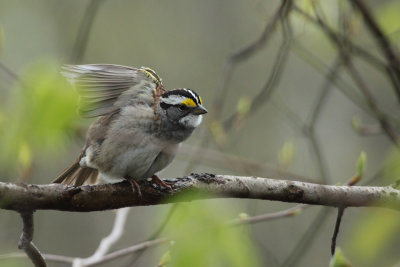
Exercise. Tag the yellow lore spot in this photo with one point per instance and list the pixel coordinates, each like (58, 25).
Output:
(189, 102)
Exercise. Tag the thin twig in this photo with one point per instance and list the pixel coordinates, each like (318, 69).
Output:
(309, 130)
(283, 213)
(324, 93)
(355, 49)
(336, 231)
(25, 241)
(270, 216)
(108, 241)
(138, 248)
(9, 72)
(232, 62)
(103, 259)
(380, 116)
(272, 82)
(383, 41)
(156, 233)
(238, 164)
(366, 129)
(247, 52)
(315, 113)
(305, 241)
(130, 250)
(13, 75)
(47, 257)
(323, 69)
(254, 47)
(82, 38)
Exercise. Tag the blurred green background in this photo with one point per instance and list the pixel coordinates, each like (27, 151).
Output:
(188, 43)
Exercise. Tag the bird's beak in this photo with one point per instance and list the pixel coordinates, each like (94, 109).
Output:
(199, 110)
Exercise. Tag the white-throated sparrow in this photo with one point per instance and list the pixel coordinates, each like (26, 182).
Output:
(139, 124)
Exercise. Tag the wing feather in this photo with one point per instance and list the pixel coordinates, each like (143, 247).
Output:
(101, 85)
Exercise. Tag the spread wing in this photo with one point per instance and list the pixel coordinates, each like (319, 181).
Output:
(104, 88)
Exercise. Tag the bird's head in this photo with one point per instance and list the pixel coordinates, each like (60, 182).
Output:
(183, 106)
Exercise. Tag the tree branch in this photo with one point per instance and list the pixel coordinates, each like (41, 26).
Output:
(202, 186)
(25, 241)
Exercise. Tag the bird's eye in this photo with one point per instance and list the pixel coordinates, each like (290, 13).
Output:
(182, 107)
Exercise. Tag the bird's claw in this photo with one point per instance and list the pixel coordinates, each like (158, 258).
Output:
(161, 183)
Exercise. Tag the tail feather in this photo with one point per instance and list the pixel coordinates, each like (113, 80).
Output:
(77, 175)
(66, 173)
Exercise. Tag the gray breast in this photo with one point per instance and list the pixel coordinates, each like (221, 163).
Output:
(129, 150)
(163, 159)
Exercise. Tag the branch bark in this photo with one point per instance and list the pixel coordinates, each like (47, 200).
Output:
(86, 198)
(25, 241)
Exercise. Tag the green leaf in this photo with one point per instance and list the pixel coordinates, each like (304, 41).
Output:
(15, 262)
(165, 259)
(25, 155)
(338, 259)
(40, 113)
(286, 154)
(203, 237)
(361, 164)
(243, 106)
(372, 236)
(389, 20)
(356, 122)
(1, 118)
(217, 130)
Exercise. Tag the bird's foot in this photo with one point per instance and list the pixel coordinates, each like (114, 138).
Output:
(135, 188)
(161, 183)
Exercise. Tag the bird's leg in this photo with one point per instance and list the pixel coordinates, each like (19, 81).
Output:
(156, 180)
(135, 187)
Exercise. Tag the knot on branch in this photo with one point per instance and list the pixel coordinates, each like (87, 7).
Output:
(208, 178)
(294, 193)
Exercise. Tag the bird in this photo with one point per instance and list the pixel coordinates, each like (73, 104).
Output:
(138, 128)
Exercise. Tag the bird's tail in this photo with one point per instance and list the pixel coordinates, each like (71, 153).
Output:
(77, 175)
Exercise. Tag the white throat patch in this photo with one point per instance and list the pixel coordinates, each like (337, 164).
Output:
(191, 121)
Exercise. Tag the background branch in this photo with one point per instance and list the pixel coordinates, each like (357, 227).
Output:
(107, 242)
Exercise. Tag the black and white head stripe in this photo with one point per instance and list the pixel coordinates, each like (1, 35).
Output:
(194, 95)
(181, 96)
